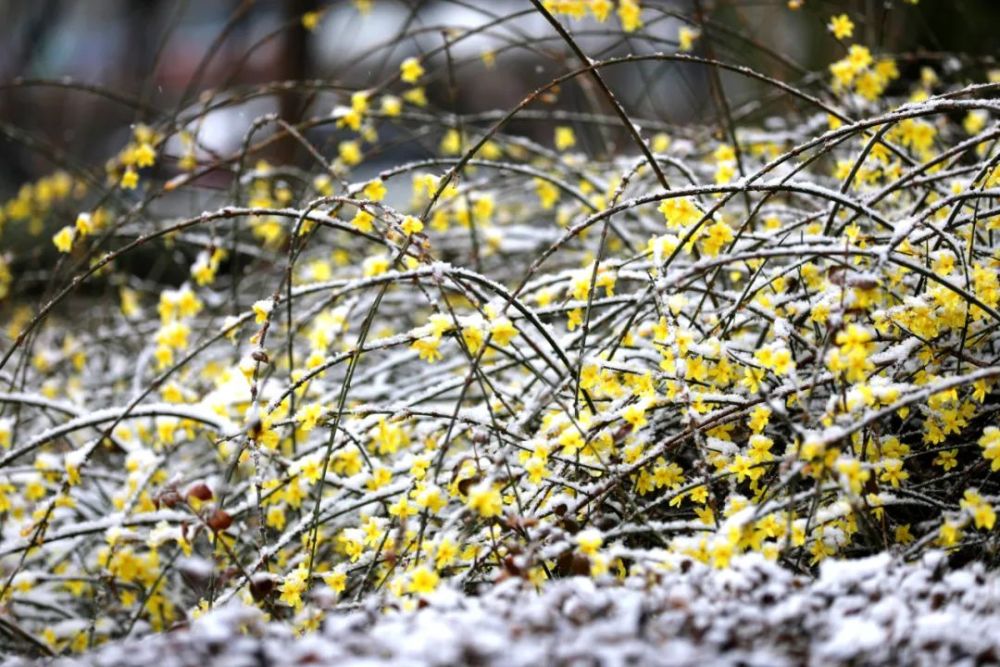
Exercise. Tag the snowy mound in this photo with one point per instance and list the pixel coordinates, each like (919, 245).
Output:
(872, 611)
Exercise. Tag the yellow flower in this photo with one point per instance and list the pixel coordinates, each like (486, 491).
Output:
(6, 430)
(661, 142)
(975, 121)
(485, 500)
(990, 442)
(629, 13)
(261, 309)
(427, 349)
(401, 509)
(536, 469)
(635, 415)
(721, 552)
(336, 580)
(841, 26)
(352, 542)
(362, 221)
(375, 190)
(717, 235)
(859, 56)
(892, 472)
(84, 224)
(502, 331)
(430, 497)
(439, 324)
(63, 239)
(548, 194)
(445, 553)
(686, 37)
(275, 518)
(724, 153)
(310, 20)
(423, 580)
(379, 478)
(392, 106)
(679, 212)
(309, 415)
(589, 541)
(73, 460)
(145, 155)
(204, 268)
(853, 474)
(416, 97)
(411, 70)
(984, 516)
(130, 179)
(350, 152)
(374, 266)
(947, 459)
(293, 586)
(600, 9)
(473, 335)
(902, 534)
(565, 138)
(776, 357)
(173, 335)
(852, 355)
(412, 225)
(981, 511)
(451, 142)
(389, 437)
(759, 418)
(950, 534)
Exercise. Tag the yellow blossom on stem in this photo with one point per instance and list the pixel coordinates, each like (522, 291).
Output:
(686, 37)
(262, 309)
(310, 20)
(85, 224)
(635, 415)
(589, 541)
(63, 239)
(565, 139)
(990, 442)
(841, 26)
(336, 580)
(309, 415)
(892, 472)
(502, 331)
(145, 155)
(950, 534)
(474, 336)
(427, 349)
(485, 500)
(423, 580)
(629, 13)
(362, 221)
(411, 70)
(130, 179)
(375, 190)
(412, 225)
(293, 586)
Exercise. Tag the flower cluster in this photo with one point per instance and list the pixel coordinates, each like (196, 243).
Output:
(509, 358)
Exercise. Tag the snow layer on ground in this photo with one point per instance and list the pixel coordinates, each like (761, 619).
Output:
(874, 612)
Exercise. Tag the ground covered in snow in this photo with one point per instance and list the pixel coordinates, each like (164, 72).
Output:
(874, 611)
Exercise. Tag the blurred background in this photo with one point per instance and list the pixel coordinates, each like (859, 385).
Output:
(127, 61)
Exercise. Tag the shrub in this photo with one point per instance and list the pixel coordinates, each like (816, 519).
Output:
(507, 358)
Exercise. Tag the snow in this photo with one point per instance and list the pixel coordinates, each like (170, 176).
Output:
(854, 638)
(875, 611)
